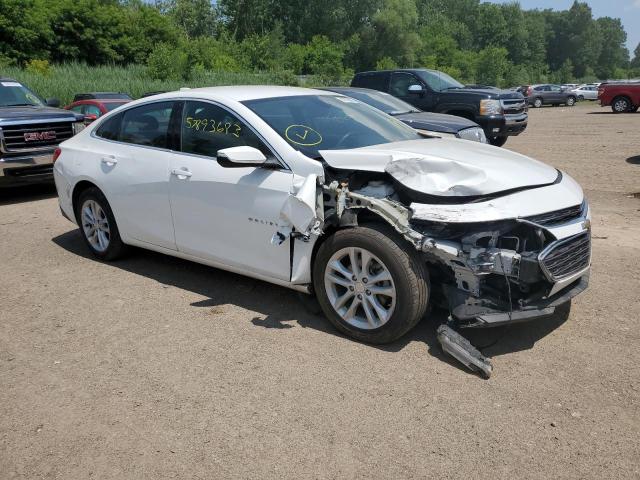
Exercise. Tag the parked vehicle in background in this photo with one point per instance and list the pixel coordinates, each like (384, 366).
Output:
(425, 122)
(586, 92)
(547, 94)
(30, 130)
(622, 97)
(501, 113)
(319, 192)
(94, 109)
(569, 86)
(102, 96)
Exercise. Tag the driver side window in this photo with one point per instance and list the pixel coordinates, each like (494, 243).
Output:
(207, 128)
(400, 83)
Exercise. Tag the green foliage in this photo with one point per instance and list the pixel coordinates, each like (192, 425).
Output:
(179, 40)
(386, 63)
(40, 67)
(168, 63)
(135, 80)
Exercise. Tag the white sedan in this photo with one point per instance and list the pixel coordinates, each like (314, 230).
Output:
(586, 92)
(321, 193)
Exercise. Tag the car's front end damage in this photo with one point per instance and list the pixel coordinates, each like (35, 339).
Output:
(488, 273)
(498, 251)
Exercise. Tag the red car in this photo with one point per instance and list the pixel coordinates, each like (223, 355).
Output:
(94, 108)
(623, 97)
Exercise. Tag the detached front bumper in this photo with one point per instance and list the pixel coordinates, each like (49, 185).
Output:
(26, 169)
(468, 314)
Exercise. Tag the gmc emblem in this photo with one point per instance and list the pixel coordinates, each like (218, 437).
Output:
(39, 136)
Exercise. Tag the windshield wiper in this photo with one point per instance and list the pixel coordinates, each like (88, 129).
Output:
(21, 105)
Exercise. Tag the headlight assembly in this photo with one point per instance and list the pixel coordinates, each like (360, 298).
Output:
(475, 134)
(78, 127)
(490, 107)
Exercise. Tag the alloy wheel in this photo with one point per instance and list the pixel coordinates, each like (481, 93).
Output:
(621, 105)
(95, 225)
(360, 288)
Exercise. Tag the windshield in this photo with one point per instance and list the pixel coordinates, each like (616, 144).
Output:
(438, 81)
(382, 101)
(325, 122)
(14, 94)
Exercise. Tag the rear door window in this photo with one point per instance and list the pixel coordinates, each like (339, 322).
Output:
(147, 125)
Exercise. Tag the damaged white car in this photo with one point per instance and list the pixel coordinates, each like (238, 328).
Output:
(324, 194)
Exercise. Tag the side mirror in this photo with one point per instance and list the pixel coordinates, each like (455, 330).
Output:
(243, 156)
(416, 89)
(53, 102)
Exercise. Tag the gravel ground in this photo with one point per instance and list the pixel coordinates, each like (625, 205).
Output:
(154, 367)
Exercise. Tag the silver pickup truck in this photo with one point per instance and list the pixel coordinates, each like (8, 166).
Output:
(30, 130)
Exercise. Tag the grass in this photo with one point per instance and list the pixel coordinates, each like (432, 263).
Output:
(64, 81)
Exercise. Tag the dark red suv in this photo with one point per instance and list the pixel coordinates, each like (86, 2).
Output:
(623, 97)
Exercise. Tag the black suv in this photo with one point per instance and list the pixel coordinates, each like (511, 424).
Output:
(501, 113)
(30, 130)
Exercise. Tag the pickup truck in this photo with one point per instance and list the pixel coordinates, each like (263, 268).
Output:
(30, 131)
(622, 97)
(500, 113)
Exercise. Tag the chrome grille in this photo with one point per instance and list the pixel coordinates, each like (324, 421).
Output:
(566, 257)
(513, 106)
(557, 217)
(43, 135)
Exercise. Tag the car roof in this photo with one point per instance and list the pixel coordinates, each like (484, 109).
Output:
(241, 93)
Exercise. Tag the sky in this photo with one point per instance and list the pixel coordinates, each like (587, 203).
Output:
(626, 10)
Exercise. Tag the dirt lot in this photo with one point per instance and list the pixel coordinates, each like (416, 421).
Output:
(156, 368)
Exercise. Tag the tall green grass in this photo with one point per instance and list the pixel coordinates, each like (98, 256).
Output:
(64, 81)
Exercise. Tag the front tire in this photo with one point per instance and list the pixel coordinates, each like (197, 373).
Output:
(498, 141)
(370, 283)
(98, 226)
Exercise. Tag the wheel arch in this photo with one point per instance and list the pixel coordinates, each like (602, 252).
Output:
(78, 188)
(363, 217)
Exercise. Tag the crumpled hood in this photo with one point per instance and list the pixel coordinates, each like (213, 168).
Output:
(446, 167)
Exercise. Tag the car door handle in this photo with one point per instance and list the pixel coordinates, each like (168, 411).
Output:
(109, 160)
(179, 172)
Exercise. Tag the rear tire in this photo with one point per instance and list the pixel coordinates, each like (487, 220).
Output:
(571, 101)
(370, 283)
(621, 105)
(537, 102)
(98, 225)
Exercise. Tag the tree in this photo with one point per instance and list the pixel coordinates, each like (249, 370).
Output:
(195, 17)
(613, 54)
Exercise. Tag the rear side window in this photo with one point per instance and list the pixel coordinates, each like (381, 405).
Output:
(147, 125)
(375, 81)
(110, 128)
(207, 128)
